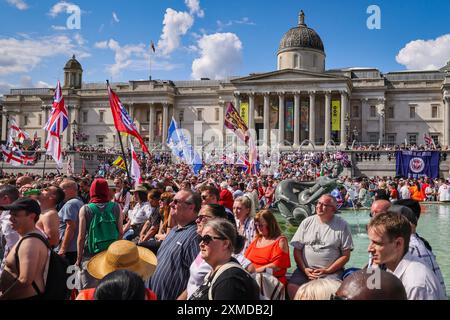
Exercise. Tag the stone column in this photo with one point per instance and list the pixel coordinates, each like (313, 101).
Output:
(327, 116)
(165, 122)
(281, 119)
(296, 119)
(364, 115)
(344, 111)
(237, 101)
(381, 117)
(446, 141)
(251, 111)
(4, 126)
(312, 116)
(151, 124)
(266, 118)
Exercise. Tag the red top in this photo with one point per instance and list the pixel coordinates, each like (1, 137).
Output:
(88, 294)
(270, 254)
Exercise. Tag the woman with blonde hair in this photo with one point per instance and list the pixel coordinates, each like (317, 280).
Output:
(319, 289)
(269, 251)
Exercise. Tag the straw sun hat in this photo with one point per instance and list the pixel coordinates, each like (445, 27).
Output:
(123, 255)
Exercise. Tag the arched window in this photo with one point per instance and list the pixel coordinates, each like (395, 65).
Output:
(280, 61)
(296, 61)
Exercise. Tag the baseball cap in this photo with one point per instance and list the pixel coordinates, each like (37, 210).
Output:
(27, 204)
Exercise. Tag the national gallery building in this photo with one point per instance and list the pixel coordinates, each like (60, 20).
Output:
(301, 99)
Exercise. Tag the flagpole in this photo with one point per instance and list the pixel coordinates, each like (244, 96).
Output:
(123, 151)
(150, 56)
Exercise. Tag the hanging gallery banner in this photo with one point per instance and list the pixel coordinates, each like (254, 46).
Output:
(335, 115)
(289, 115)
(244, 112)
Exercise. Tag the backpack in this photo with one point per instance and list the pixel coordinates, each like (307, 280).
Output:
(270, 287)
(103, 228)
(56, 267)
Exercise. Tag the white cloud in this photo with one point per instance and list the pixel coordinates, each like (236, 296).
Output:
(194, 8)
(19, 4)
(101, 45)
(23, 55)
(79, 39)
(59, 28)
(243, 21)
(25, 82)
(63, 6)
(220, 56)
(425, 54)
(5, 87)
(176, 24)
(116, 19)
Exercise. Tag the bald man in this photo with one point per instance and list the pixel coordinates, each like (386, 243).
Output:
(378, 207)
(371, 284)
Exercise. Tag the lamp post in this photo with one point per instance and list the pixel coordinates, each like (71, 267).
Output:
(74, 133)
(355, 133)
(347, 129)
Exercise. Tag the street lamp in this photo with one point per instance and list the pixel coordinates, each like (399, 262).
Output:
(347, 129)
(74, 133)
(355, 133)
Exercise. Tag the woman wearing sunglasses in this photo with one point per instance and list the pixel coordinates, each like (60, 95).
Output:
(199, 268)
(227, 280)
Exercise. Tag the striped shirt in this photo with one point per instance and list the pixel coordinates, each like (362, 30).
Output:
(175, 256)
(248, 231)
(418, 249)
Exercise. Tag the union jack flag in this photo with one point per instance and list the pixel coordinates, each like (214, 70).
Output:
(56, 124)
(122, 120)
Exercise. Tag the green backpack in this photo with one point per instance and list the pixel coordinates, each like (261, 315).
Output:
(103, 228)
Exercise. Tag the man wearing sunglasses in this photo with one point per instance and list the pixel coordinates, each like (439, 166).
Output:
(322, 245)
(179, 249)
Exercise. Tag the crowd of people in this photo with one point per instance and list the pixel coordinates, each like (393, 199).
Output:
(211, 236)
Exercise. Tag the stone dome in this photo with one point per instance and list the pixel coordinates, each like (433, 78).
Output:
(73, 64)
(301, 37)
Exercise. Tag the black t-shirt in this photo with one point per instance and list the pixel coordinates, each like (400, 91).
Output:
(232, 284)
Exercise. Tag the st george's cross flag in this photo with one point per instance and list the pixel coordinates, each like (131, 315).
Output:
(122, 120)
(135, 170)
(56, 124)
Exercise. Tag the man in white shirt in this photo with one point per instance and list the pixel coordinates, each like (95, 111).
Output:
(443, 191)
(9, 237)
(389, 235)
(404, 190)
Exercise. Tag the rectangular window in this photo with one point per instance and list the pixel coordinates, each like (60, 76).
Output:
(260, 111)
(25, 120)
(85, 116)
(390, 112)
(412, 112)
(373, 137)
(148, 116)
(390, 138)
(412, 138)
(435, 138)
(102, 115)
(181, 116)
(434, 112)
(373, 111)
(355, 112)
(40, 119)
(229, 140)
(199, 115)
(217, 114)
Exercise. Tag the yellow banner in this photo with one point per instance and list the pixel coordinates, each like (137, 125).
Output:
(244, 112)
(335, 115)
(119, 162)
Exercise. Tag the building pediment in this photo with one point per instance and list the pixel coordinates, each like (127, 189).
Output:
(287, 75)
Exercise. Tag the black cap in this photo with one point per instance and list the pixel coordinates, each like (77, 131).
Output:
(27, 204)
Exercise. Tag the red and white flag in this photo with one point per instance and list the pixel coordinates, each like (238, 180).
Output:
(122, 120)
(11, 158)
(428, 140)
(57, 123)
(135, 170)
(17, 133)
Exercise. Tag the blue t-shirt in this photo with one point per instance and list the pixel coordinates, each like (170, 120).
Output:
(69, 211)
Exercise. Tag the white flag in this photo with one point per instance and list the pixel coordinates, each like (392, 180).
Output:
(135, 170)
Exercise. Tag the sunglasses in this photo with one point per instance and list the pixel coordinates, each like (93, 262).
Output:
(206, 239)
(335, 297)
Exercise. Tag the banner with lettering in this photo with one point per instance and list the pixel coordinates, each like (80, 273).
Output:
(244, 112)
(289, 115)
(336, 115)
(416, 164)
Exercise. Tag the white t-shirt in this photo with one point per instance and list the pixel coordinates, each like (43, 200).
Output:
(140, 213)
(198, 270)
(419, 281)
(404, 192)
(444, 193)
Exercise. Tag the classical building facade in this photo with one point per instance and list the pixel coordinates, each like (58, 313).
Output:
(301, 99)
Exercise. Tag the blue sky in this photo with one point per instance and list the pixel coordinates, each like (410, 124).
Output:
(209, 38)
